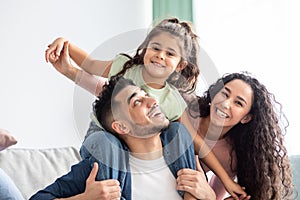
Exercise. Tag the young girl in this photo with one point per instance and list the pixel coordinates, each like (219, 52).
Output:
(250, 144)
(165, 63)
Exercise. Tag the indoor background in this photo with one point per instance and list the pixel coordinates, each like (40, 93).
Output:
(41, 108)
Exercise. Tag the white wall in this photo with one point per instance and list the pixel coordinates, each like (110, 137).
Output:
(36, 103)
(259, 36)
(39, 106)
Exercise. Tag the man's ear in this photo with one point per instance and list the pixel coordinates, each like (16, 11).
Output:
(181, 66)
(246, 119)
(120, 127)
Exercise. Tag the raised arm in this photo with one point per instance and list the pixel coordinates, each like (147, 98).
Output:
(208, 157)
(87, 81)
(79, 56)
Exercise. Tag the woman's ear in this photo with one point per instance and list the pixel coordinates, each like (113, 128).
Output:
(181, 66)
(120, 127)
(246, 119)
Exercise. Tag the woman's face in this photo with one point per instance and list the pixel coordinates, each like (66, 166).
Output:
(232, 104)
(162, 56)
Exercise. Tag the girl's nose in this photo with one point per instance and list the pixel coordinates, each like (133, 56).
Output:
(160, 54)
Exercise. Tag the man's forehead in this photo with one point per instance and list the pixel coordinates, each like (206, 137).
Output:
(127, 92)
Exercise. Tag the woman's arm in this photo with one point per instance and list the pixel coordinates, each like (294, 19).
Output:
(207, 156)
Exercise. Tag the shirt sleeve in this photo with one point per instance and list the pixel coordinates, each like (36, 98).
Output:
(91, 83)
(117, 65)
(68, 185)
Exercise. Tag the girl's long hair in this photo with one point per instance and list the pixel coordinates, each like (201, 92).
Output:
(186, 80)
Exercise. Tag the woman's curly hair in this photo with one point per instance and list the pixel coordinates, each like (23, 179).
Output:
(263, 167)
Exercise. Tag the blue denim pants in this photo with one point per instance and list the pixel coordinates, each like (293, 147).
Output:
(8, 189)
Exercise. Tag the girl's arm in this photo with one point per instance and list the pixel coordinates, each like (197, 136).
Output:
(79, 56)
(85, 80)
(211, 161)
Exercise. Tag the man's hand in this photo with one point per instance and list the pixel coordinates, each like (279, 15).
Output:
(101, 190)
(195, 183)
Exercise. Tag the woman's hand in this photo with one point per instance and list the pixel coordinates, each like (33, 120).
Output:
(235, 190)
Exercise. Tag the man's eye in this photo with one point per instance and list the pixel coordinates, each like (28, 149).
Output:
(136, 102)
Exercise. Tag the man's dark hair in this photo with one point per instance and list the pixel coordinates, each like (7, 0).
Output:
(102, 106)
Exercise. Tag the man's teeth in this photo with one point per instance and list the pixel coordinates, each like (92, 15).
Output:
(221, 114)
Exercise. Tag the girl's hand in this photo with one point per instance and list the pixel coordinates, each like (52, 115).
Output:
(62, 63)
(194, 182)
(54, 50)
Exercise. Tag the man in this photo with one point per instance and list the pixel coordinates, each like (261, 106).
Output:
(155, 157)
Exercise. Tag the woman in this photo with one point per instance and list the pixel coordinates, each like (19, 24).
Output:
(239, 119)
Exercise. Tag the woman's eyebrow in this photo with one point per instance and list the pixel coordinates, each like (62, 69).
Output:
(239, 97)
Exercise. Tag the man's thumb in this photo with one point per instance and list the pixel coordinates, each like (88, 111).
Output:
(198, 166)
(93, 174)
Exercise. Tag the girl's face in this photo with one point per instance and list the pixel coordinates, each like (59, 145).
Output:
(162, 57)
(232, 104)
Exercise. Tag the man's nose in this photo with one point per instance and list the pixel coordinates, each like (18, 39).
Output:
(151, 101)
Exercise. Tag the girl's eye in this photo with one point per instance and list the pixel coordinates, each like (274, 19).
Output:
(170, 54)
(155, 48)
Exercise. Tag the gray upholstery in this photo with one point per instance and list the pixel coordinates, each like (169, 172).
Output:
(295, 163)
(33, 169)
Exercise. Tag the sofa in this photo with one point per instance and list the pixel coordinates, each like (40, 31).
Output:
(33, 169)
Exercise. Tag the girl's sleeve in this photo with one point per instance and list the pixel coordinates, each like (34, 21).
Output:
(91, 83)
(117, 65)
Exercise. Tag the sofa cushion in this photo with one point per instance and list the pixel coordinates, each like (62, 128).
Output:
(33, 169)
(295, 164)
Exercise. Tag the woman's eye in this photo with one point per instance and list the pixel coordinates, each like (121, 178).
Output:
(239, 103)
(224, 94)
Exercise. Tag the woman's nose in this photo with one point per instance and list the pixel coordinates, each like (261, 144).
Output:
(226, 104)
